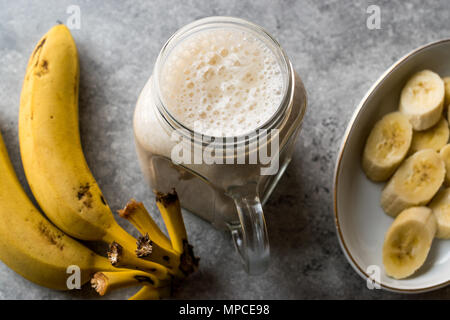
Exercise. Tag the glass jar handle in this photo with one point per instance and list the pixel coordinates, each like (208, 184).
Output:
(250, 235)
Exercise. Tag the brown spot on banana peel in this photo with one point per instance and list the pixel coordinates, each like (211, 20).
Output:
(32, 68)
(53, 238)
(82, 191)
(39, 48)
(42, 69)
(144, 279)
(84, 195)
(44, 65)
(88, 202)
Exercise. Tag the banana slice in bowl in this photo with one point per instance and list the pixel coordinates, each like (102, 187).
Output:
(422, 99)
(387, 146)
(415, 182)
(408, 242)
(361, 222)
(434, 138)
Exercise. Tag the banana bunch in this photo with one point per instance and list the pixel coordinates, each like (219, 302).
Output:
(52, 157)
(409, 149)
(36, 249)
(68, 194)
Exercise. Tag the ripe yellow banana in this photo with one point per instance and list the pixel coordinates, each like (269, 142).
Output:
(50, 145)
(414, 183)
(408, 242)
(386, 146)
(434, 138)
(422, 99)
(104, 282)
(169, 206)
(31, 245)
(441, 210)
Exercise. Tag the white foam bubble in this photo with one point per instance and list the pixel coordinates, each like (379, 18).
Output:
(222, 82)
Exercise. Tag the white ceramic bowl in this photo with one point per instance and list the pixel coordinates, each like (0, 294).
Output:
(361, 223)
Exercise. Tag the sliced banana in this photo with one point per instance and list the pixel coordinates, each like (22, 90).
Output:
(414, 183)
(422, 99)
(387, 146)
(408, 241)
(447, 91)
(434, 138)
(441, 210)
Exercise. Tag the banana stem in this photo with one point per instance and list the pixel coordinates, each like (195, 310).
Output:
(150, 293)
(169, 206)
(104, 282)
(169, 259)
(146, 249)
(160, 250)
(140, 218)
(121, 257)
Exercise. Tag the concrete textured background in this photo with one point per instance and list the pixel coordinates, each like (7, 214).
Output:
(334, 52)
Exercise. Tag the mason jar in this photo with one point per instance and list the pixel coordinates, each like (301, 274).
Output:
(230, 191)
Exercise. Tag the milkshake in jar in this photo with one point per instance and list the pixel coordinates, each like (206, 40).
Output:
(217, 121)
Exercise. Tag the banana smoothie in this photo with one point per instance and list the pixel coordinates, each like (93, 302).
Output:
(217, 77)
(223, 82)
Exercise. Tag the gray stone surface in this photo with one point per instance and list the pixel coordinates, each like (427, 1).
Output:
(334, 52)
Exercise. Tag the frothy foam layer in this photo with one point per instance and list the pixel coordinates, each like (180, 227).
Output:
(222, 82)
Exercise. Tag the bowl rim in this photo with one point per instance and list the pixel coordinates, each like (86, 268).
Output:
(348, 131)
